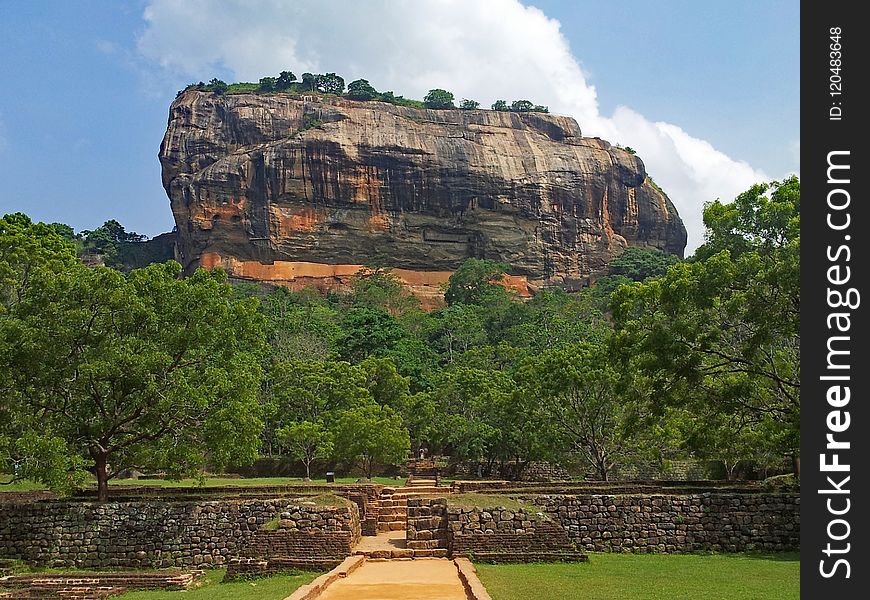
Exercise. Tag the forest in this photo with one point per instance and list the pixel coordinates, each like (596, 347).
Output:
(106, 370)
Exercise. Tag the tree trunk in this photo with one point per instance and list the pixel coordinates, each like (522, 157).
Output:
(796, 466)
(307, 470)
(102, 473)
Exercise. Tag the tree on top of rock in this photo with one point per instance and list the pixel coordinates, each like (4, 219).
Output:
(438, 98)
(361, 89)
(285, 80)
(330, 84)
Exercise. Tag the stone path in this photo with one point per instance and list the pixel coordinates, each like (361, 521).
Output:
(418, 579)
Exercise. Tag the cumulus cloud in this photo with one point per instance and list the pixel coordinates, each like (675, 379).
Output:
(499, 49)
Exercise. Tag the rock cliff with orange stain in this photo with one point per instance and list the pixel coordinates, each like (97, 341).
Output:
(301, 191)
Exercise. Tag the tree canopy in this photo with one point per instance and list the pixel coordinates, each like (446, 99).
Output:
(145, 371)
(723, 330)
(438, 98)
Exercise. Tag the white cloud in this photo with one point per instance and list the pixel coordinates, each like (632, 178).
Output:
(499, 49)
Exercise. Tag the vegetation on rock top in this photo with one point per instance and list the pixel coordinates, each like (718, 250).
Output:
(360, 89)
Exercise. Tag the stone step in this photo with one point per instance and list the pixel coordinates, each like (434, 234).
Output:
(389, 518)
(403, 553)
(426, 544)
(398, 510)
(392, 518)
(389, 503)
(391, 526)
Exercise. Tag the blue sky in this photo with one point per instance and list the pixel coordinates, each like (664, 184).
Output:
(706, 91)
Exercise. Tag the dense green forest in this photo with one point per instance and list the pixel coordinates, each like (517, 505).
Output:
(661, 359)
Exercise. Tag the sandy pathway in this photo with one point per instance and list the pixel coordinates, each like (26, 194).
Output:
(419, 579)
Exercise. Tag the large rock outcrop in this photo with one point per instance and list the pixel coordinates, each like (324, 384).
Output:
(303, 190)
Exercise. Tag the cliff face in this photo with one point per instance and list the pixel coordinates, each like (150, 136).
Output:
(277, 188)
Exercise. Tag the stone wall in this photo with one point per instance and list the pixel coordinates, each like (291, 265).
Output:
(164, 534)
(498, 534)
(531, 471)
(675, 470)
(665, 523)
(710, 521)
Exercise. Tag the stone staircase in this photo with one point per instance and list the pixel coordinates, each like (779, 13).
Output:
(390, 511)
(387, 519)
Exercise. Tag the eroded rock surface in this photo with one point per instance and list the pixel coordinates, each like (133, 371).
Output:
(299, 191)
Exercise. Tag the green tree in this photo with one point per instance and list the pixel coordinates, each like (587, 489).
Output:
(368, 331)
(639, 263)
(577, 388)
(467, 104)
(64, 231)
(724, 329)
(554, 318)
(26, 249)
(384, 382)
(457, 329)
(500, 105)
(315, 390)
(284, 81)
(267, 84)
(307, 442)
(438, 98)
(521, 106)
(478, 416)
(309, 82)
(145, 371)
(218, 86)
(379, 288)
(540, 108)
(476, 281)
(372, 434)
(361, 89)
(330, 83)
(299, 326)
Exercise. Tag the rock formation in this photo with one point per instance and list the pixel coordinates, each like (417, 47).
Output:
(302, 190)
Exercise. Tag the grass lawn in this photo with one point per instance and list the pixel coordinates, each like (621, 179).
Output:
(218, 482)
(19, 486)
(488, 501)
(650, 577)
(27, 486)
(209, 587)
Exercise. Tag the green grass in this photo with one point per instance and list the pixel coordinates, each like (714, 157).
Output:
(488, 501)
(24, 485)
(28, 486)
(253, 481)
(209, 587)
(649, 577)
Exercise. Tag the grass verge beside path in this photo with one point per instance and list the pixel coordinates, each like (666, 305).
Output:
(209, 587)
(650, 577)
